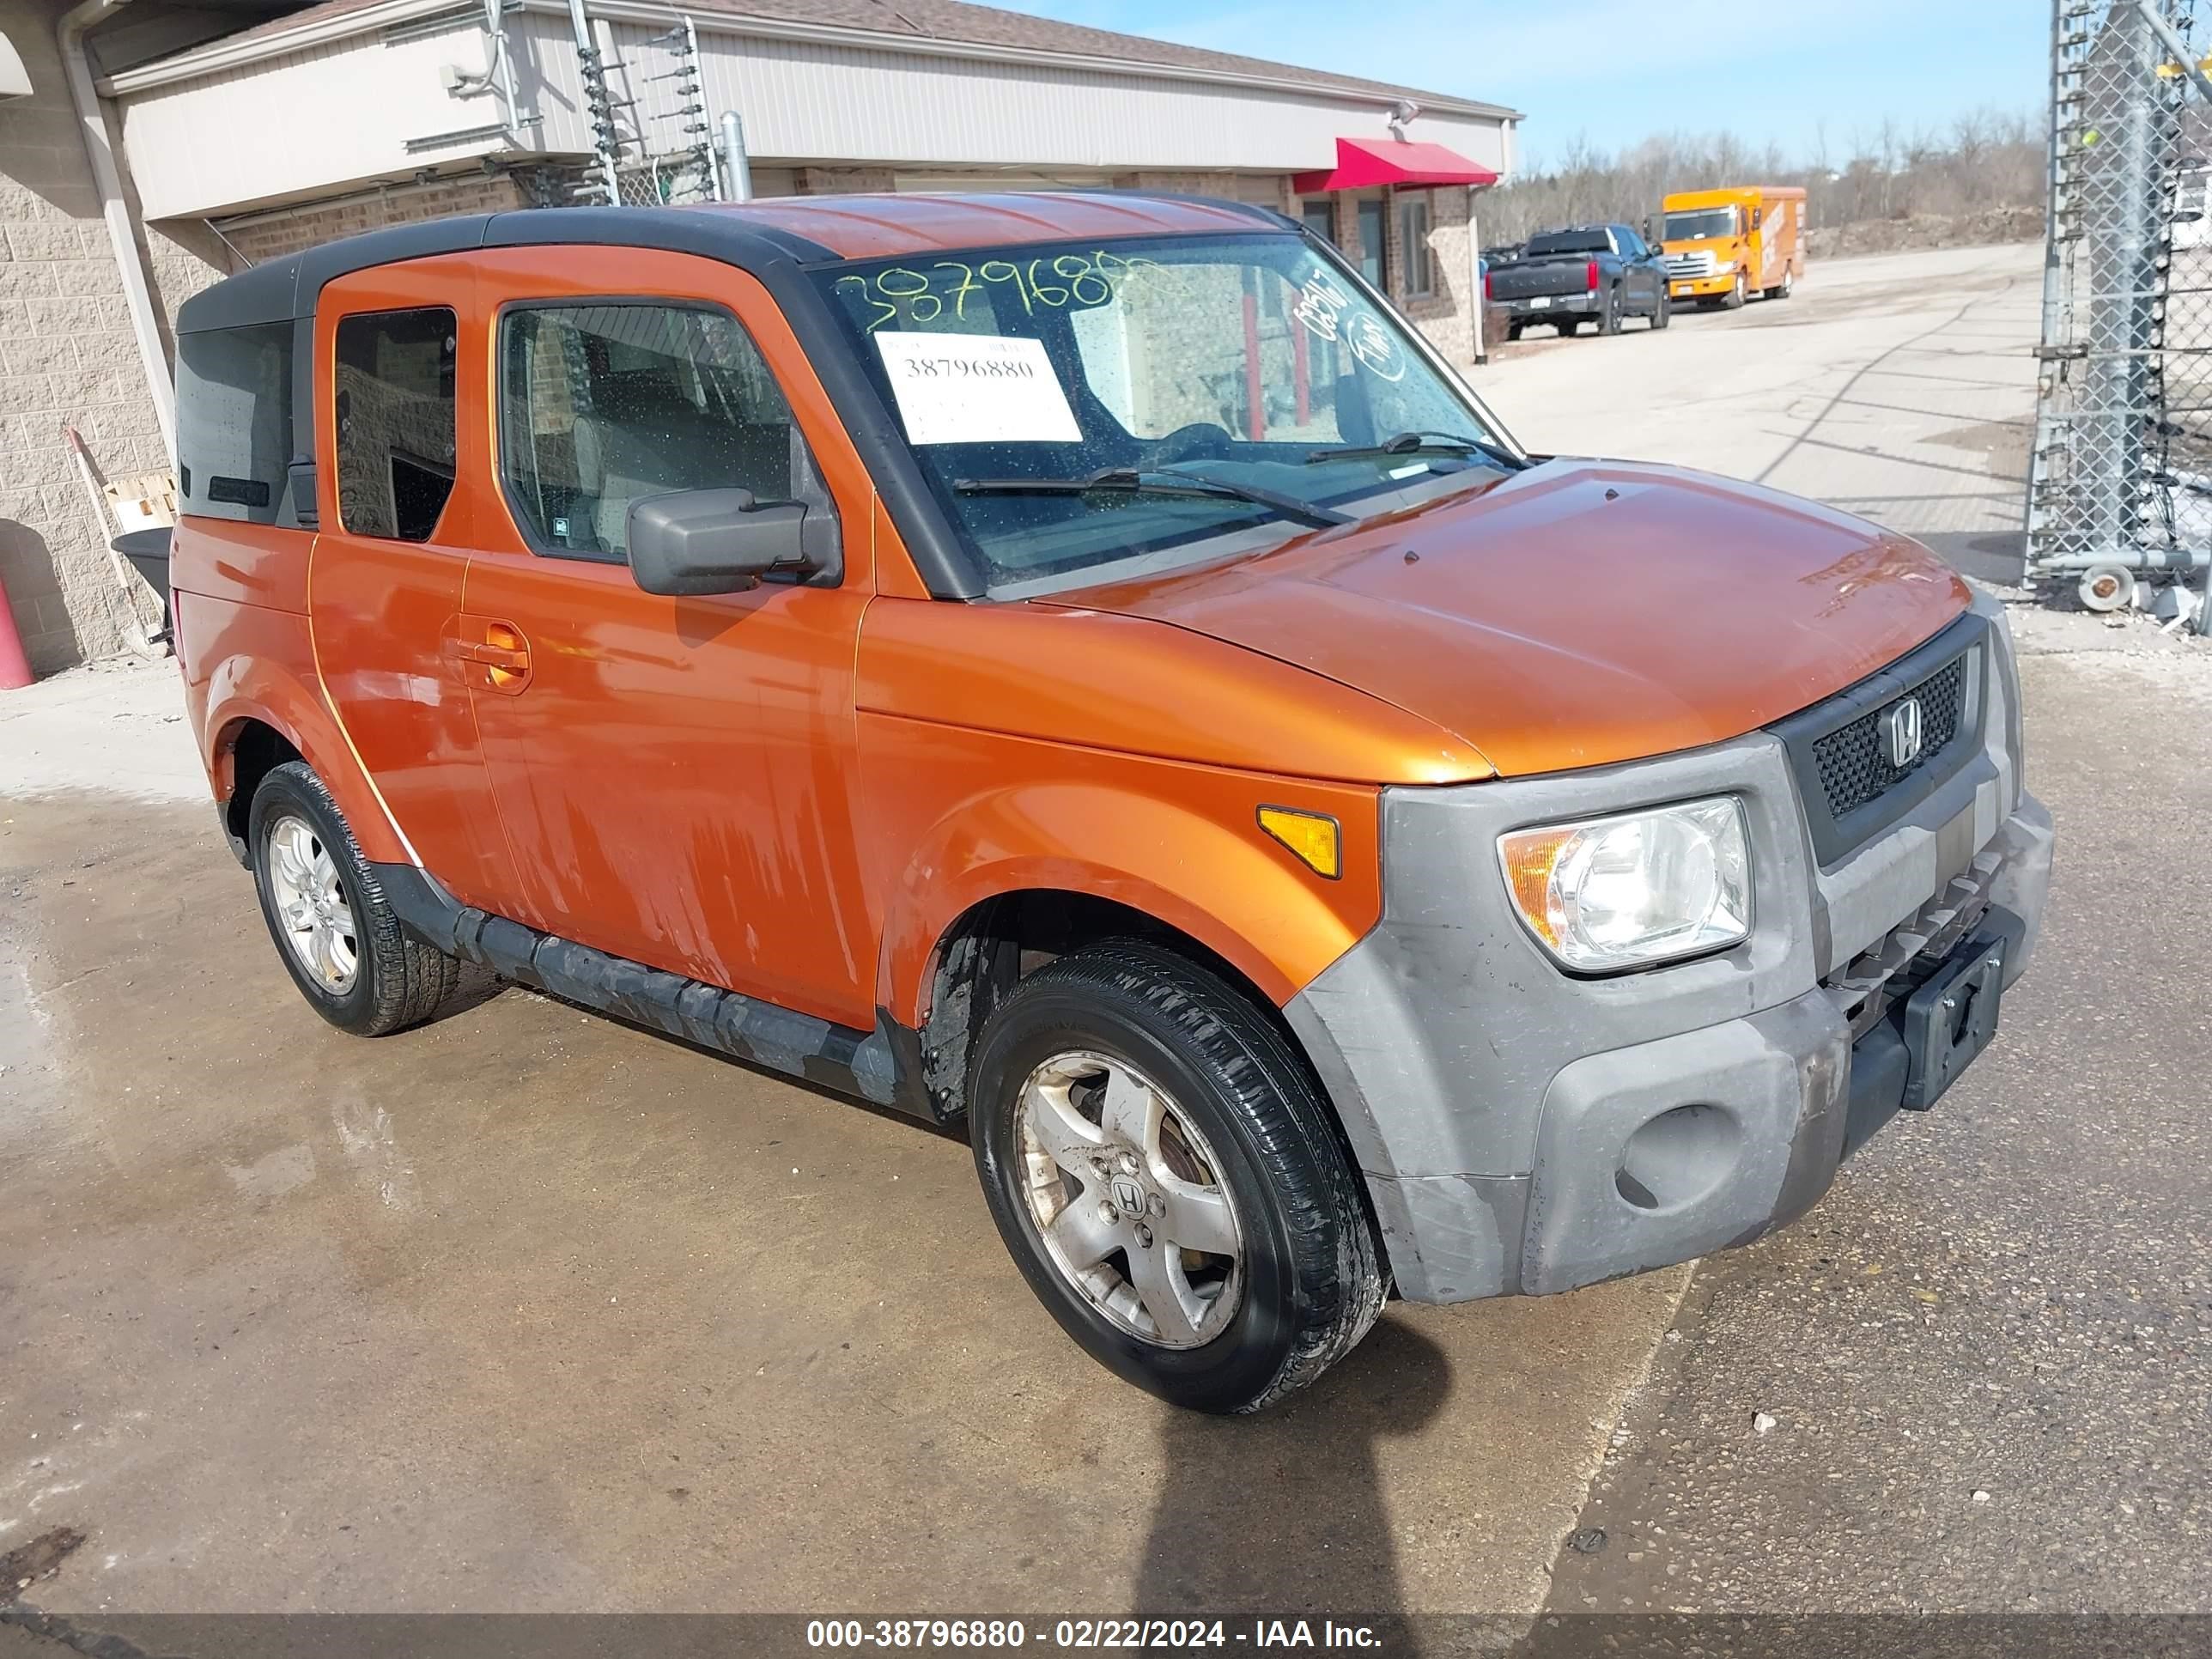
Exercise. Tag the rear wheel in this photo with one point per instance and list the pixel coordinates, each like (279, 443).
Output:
(1167, 1177)
(336, 934)
(1660, 317)
(1513, 330)
(1608, 311)
(1782, 291)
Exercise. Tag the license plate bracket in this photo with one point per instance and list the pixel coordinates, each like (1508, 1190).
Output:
(1951, 1018)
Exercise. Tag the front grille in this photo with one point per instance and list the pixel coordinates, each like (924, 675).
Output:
(1854, 770)
(1850, 790)
(1699, 263)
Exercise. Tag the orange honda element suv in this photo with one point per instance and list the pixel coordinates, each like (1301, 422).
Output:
(1083, 663)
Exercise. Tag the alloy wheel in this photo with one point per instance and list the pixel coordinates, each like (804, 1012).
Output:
(319, 925)
(1129, 1200)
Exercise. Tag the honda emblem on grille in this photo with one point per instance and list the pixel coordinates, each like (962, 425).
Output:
(1901, 733)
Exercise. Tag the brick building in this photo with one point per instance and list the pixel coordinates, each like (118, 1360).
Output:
(148, 147)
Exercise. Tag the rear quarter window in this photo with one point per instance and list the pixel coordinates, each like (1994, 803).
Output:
(234, 423)
(394, 404)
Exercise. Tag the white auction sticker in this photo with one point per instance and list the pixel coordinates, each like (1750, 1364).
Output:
(976, 389)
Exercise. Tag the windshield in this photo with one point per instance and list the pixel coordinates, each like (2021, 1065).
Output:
(1031, 382)
(1705, 221)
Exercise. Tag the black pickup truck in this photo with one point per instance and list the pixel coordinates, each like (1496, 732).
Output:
(1593, 273)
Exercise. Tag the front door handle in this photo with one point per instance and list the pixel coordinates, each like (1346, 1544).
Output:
(498, 649)
(514, 659)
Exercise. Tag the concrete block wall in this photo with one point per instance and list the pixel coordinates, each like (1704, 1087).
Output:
(1447, 315)
(67, 358)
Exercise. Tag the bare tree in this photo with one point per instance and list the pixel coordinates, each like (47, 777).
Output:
(1988, 158)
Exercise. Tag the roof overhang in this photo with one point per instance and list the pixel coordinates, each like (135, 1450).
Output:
(1366, 163)
(321, 25)
(14, 81)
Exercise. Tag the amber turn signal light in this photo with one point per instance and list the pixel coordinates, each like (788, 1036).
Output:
(1314, 836)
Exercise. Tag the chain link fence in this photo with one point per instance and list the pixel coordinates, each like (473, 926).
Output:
(668, 180)
(2120, 490)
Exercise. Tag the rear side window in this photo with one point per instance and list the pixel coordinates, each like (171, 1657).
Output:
(601, 404)
(234, 423)
(395, 422)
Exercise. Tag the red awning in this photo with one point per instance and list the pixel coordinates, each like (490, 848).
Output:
(1363, 163)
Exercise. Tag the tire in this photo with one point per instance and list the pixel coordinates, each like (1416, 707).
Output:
(395, 981)
(1664, 313)
(1513, 330)
(1608, 312)
(1782, 292)
(1568, 327)
(1307, 1280)
(1734, 298)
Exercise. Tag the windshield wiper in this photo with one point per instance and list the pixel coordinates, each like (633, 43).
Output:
(1413, 443)
(1156, 481)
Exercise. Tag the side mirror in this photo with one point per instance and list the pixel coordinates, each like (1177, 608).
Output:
(713, 541)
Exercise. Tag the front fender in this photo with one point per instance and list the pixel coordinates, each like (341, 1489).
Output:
(980, 816)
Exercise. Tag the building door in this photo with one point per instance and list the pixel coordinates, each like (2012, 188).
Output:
(1375, 243)
(678, 776)
(391, 556)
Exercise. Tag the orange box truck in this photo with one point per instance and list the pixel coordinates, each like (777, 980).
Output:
(1724, 246)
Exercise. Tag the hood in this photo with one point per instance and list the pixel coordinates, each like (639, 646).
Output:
(1579, 613)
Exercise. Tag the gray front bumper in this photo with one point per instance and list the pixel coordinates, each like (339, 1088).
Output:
(1492, 1099)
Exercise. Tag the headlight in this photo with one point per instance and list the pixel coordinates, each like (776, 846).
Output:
(1635, 889)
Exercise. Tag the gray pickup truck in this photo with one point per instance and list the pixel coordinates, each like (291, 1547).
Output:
(1593, 273)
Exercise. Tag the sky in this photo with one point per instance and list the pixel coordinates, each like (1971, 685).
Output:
(1620, 70)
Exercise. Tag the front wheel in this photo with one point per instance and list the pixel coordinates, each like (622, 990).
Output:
(1736, 294)
(1161, 1165)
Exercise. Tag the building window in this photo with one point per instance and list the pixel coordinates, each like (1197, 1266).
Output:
(603, 403)
(395, 422)
(1375, 244)
(234, 423)
(1414, 234)
(1321, 220)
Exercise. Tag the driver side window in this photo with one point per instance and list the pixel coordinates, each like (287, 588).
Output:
(603, 403)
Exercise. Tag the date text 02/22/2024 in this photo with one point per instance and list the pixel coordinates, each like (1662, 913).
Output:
(1082, 1634)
